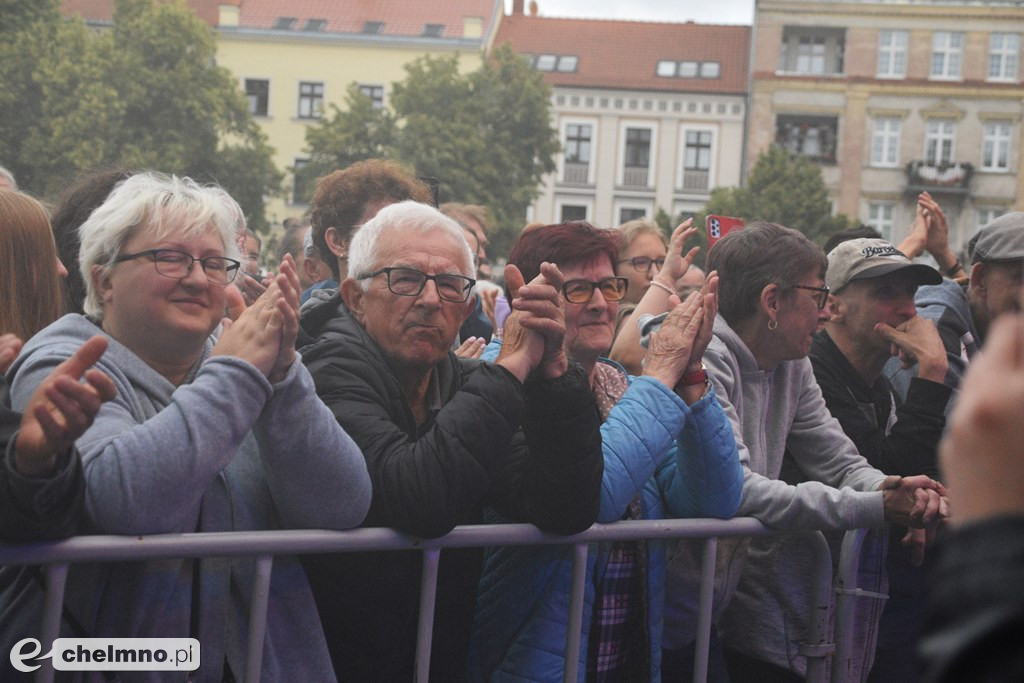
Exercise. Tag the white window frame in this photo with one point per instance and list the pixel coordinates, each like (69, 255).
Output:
(996, 137)
(939, 136)
(950, 45)
(879, 221)
(1005, 58)
(594, 132)
(892, 54)
(652, 156)
(646, 206)
(375, 103)
(885, 141)
(588, 202)
(987, 214)
(684, 129)
(315, 112)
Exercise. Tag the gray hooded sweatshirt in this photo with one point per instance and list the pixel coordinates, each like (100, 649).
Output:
(225, 451)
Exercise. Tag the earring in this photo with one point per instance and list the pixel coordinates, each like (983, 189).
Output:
(772, 324)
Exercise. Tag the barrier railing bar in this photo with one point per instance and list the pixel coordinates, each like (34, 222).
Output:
(425, 626)
(56, 580)
(821, 596)
(257, 618)
(574, 622)
(846, 584)
(704, 603)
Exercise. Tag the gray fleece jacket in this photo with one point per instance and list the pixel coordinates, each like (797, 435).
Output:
(771, 411)
(225, 451)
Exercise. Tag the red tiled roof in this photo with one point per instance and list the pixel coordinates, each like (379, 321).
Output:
(400, 17)
(624, 54)
(103, 10)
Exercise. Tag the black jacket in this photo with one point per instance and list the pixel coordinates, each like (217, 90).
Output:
(532, 452)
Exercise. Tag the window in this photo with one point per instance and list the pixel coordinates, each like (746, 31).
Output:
(666, 69)
(938, 142)
(810, 50)
(375, 93)
(573, 212)
(302, 188)
(631, 213)
(688, 69)
(710, 69)
(257, 91)
(311, 100)
(545, 62)
(1003, 49)
(577, 152)
(880, 218)
(987, 214)
(567, 63)
(373, 27)
(947, 49)
(892, 54)
(697, 160)
(315, 25)
(284, 23)
(995, 146)
(433, 30)
(811, 136)
(885, 142)
(637, 157)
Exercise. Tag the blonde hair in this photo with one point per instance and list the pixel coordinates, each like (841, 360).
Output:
(630, 230)
(30, 290)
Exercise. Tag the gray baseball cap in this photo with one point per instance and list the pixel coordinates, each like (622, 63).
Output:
(866, 258)
(1000, 240)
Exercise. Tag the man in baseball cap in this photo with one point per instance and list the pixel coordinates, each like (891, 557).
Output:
(872, 318)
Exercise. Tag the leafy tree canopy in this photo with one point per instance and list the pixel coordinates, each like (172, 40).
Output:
(145, 94)
(781, 189)
(485, 135)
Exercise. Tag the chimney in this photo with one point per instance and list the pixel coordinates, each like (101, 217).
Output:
(517, 7)
(534, 9)
(228, 14)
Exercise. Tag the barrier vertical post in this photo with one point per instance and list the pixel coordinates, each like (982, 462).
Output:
(705, 601)
(258, 618)
(574, 623)
(425, 626)
(56, 579)
(818, 648)
(846, 593)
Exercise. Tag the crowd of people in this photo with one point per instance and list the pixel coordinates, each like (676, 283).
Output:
(163, 383)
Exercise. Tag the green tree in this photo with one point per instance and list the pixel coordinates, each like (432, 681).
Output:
(485, 135)
(145, 94)
(782, 189)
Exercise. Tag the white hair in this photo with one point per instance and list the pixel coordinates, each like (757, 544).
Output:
(157, 204)
(4, 173)
(407, 215)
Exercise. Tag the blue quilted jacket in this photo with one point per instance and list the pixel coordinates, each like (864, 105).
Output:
(682, 459)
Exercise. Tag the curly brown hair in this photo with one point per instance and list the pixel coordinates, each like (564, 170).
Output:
(341, 198)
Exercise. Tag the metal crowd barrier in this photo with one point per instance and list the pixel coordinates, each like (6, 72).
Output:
(264, 545)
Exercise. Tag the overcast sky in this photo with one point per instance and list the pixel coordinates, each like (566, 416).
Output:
(715, 12)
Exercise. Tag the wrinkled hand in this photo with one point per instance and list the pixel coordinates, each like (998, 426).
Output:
(917, 501)
(471, 348)
(250, 287)
(982, 453)
(917, 341)
(709, 294)
(534, 331)
(676, 262)
(670, 348)
(10, 347)
(61, 409)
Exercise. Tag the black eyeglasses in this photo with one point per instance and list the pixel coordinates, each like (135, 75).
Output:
(410, 282)
(219, 270)
(582, 291)
(642, 264)
(822, 297)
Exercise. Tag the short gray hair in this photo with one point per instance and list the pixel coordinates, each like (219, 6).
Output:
(158, 204)
(407, 215)
(4, 173)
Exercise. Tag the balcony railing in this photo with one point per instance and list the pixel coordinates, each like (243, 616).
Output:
(634, 176)
(695, 180)
(576, 172)
(952, 178)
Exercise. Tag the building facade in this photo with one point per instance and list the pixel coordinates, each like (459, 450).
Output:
(650, 115)
(892, 99)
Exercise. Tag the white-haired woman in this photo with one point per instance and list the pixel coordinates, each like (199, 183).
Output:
(206, 434)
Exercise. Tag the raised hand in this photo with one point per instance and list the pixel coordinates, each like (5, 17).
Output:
(287, 280)
(668, 353)
(534, 331)
(61, 409)
(677, 263)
